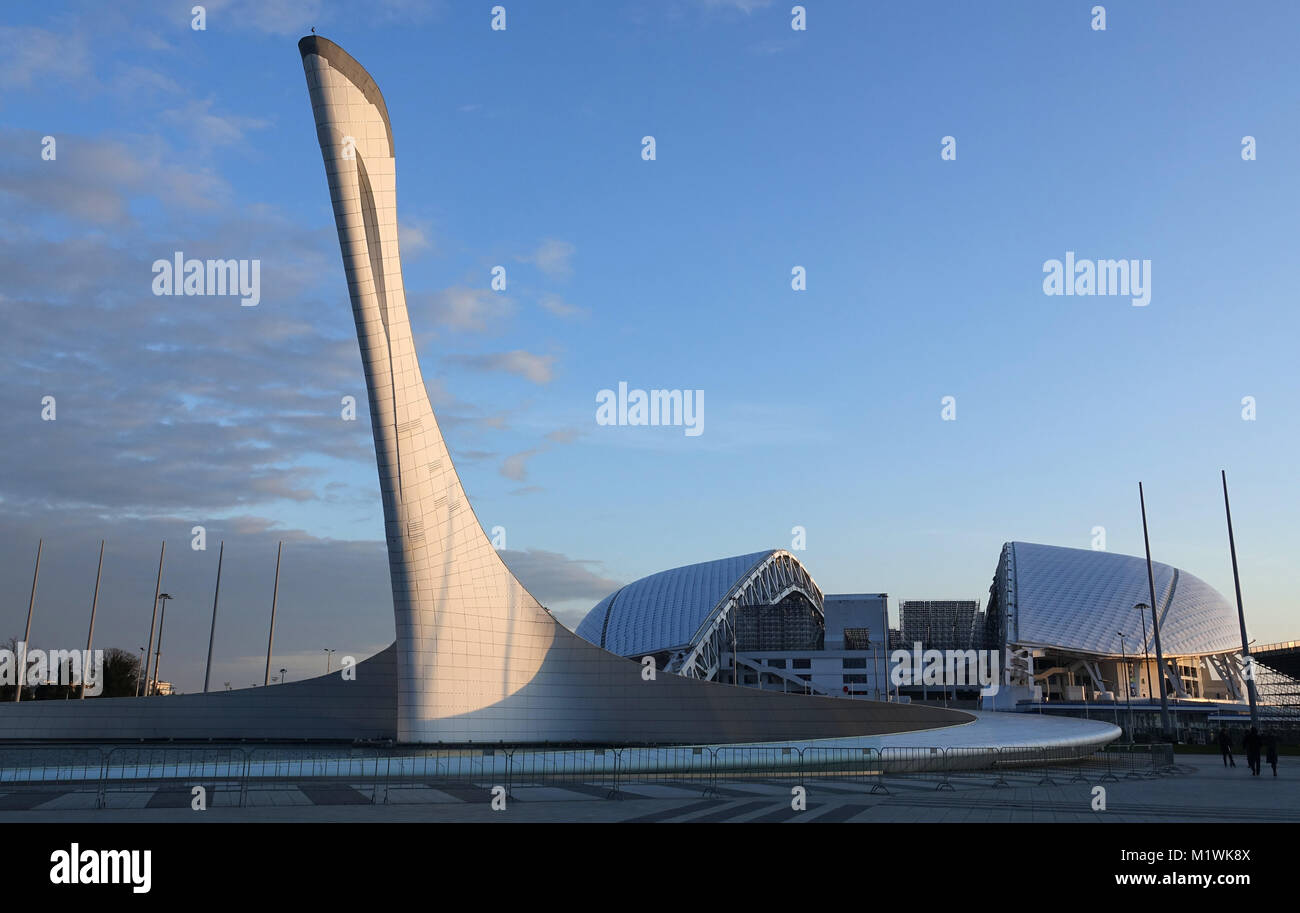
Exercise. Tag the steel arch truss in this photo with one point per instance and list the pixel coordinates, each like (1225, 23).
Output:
(767, 583)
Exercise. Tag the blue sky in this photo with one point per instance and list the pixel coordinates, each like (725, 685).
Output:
(775, 148)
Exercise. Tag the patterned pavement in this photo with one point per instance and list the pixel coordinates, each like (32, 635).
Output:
(1198, 793)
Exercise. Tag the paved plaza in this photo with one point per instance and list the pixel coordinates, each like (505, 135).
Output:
(1201, 790)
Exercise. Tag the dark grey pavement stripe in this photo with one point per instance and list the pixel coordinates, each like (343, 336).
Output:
(677, 811)
(811, 785)
(1177, 812)
(694, 786)
(785, 813)
(838, 813)
(176, 796)
(922, 786)
(333, 795)
(469, 794)
(28, 800)
(583, 789)
(1060, 805)
(731, 811)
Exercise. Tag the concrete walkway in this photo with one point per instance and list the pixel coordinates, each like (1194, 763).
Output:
(1204, 791)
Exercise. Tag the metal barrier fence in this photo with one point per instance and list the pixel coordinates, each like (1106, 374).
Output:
(378, 776)
(175, 770)
(690, 767)
(860, 766)
(77, 769)
(343, 775)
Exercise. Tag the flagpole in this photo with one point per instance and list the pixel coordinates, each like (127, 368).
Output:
(27, 635)
(213, 632)
(1155, 624)
(275, 595)
(1241, 612)
(153, 620)
(94, 604)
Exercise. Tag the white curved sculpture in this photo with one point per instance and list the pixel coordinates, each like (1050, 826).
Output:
(478, 658)
(465, 613)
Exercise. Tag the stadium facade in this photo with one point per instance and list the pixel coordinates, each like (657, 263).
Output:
(1054, 619)
(1068, 617)
(757, 619)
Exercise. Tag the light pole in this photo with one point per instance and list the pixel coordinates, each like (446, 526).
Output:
(162, 619)
(275, 595)
(1251, 693)
(1166, 728)
(94, 604)
(139, 674)
(157, 589)
(212, 632)
(1146, 653)
(328, 655)
(282, 671)
(1128, 686)
(31, 604)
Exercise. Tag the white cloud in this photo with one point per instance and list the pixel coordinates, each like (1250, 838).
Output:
(559, 307)
(553, 577)
(552, 257)
(540, 369)
(515, 466)
(474, 310)
(414, 238)
(745, 6)
(275, 17)
(564, 436)
(96, 177)
(32, 55)
(134, 81)
(210, 129)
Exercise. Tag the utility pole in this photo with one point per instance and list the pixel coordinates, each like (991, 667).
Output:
(213, 632)
(1241, 612)
(1142, 609)
(31, 604)
(94, 603)
(275, 595)
(157, 589)
(1166, 729)
(157, 656)
(1128, 686)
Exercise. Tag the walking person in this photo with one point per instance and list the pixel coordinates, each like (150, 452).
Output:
(1270, 750)
(1225, 747)
(1252, 743)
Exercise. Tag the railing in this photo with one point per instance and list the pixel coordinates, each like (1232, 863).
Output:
(233, 775)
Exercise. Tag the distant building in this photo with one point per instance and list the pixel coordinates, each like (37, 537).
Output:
(756, 620)
(939, 624)
(1066, 618)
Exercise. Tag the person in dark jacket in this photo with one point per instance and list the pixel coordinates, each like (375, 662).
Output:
(1270, 750)
(1225, 748)
(1252, 743)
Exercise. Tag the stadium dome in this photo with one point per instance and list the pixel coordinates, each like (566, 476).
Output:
(1079, 600)
(674, 612)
